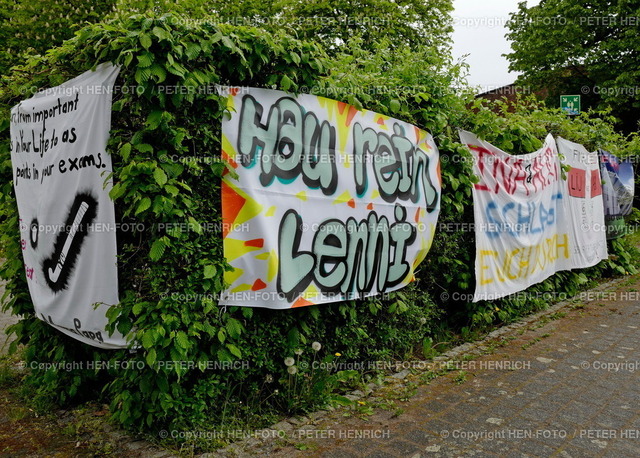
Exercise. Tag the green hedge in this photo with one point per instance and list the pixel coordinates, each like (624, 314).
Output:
(169, 278)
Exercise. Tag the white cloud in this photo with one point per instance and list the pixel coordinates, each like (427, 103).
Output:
(479, 31)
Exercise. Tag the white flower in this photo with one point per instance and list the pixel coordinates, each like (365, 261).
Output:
(316, 346)
(289, 361)
(292, 370)
(298, 351)
(269, 378)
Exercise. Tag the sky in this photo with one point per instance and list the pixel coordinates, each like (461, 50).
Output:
(479, 31)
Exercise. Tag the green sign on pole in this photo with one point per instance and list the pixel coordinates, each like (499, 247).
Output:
(570, 104)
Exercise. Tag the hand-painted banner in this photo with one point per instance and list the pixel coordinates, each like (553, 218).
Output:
(584, 208)
(529, 222)
(67, 220)
(329, 203)
(618, 185)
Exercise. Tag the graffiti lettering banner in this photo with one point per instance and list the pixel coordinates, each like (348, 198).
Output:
(584, 207)
(529, 221)
(67, 221)
(329, 203)
(517, 202)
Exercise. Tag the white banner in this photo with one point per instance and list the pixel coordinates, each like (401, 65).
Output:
(67, 220)
(329, 203)
(584, 204)
(528, 223)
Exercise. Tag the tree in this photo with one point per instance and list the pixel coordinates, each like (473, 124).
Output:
(332, 23)
(590, 47)
(38, 26)
(409, 23)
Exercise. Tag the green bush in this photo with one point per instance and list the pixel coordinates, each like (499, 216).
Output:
(169, 278)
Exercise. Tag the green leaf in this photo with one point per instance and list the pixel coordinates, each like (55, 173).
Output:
(160, 176)
(145, 60)
(159, 72)
(142, 75)
(154, 119)
(182, 340)
(143, 205)
(228, 43)
(151, 357)
(148, 339)
(125, 150)
(234, 328)
(137, 308)
(224, 355)
(172, 190)
(210, 271)
(157, 249)
(192, 50)
(117, 191)
(161, 33)
(145, 40)
(235, 351)
(144, 148)
(285, 83)
(341, 400)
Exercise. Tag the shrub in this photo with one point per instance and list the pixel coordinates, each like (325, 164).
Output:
(165, 151)
(170, 277)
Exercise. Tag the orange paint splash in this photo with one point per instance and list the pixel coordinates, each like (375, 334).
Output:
(232, 203)
(258, 285)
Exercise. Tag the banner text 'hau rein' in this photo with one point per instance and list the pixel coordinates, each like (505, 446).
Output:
(306, 145)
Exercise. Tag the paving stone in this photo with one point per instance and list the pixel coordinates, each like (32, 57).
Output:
(420, 437)
(624, 448)
(435, 427)
(404, 448)
(380, 454)
(577, 412)
(339, 453)
(538, 411)
(497, 446)
(534, 448)
(574, 452)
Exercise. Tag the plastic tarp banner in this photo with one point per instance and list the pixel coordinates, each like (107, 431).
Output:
(67, 220)
(618, 184)
(525, 226)
(327, 202)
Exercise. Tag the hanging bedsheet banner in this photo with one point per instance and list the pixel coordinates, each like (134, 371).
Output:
(67, 220)
(524, 230)
(583, 204)
(327, 202)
